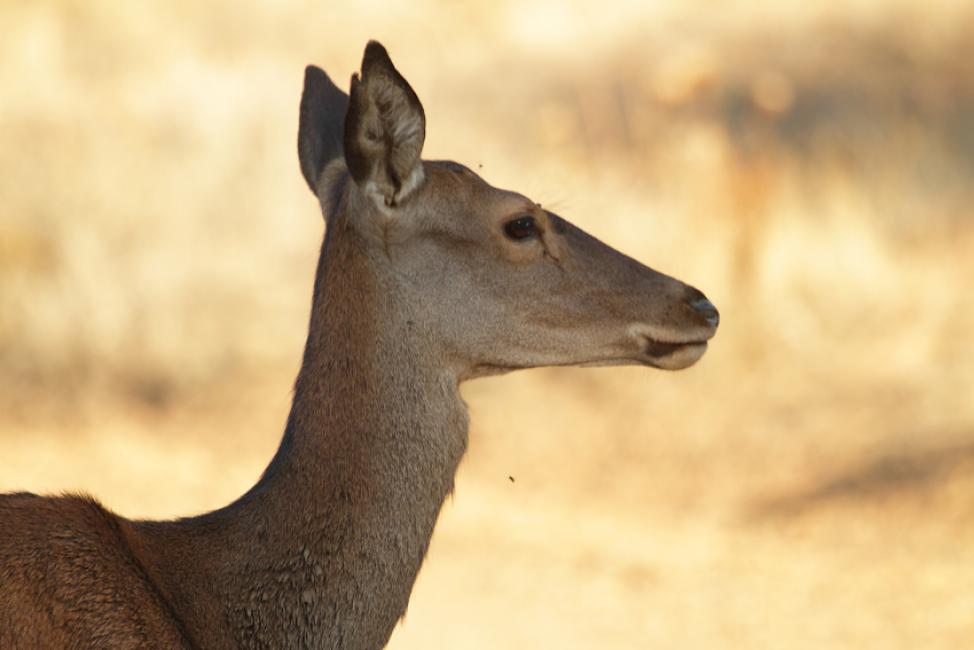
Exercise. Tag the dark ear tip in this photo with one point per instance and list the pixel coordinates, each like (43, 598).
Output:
(376, 55)
(375, 48)
(313, 75)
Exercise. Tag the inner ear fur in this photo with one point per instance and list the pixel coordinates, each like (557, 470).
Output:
(384, 130)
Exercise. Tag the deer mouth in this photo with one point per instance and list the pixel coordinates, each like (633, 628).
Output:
(669, 355)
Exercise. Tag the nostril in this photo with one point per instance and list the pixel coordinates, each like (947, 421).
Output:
(706, 309)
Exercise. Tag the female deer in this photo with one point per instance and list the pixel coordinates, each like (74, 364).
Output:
(428, 276)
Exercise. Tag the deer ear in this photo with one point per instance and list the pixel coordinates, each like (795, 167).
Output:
(320, 126)
(384, 130)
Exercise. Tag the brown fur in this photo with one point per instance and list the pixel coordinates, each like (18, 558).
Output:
(68, 578)
(417, 289)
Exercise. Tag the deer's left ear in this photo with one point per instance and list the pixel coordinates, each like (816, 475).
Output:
(384, 130)
(323, 108)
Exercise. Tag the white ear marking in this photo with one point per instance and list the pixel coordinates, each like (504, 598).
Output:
(413, 181)
(387, 204)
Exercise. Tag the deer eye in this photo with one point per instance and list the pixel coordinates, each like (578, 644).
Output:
(521, 228)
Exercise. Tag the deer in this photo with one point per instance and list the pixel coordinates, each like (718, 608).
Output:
(428, 276)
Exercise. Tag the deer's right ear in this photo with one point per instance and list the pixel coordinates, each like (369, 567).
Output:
(384, 131)
(321, 124)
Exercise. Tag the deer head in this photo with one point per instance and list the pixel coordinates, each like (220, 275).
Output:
(493, 281)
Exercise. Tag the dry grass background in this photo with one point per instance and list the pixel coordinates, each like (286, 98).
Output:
(810, 484)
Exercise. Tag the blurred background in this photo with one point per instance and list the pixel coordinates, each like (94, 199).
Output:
(810, 166)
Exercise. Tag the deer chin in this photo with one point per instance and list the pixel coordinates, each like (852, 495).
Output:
(672, 356)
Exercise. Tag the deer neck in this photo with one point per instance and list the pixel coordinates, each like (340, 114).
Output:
(324, 550)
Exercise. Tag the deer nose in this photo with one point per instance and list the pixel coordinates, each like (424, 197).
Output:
(704, 308)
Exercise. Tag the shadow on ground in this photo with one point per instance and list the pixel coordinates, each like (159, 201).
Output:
(903, 474)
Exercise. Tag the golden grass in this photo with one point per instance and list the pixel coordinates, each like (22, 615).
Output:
(807, 485)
